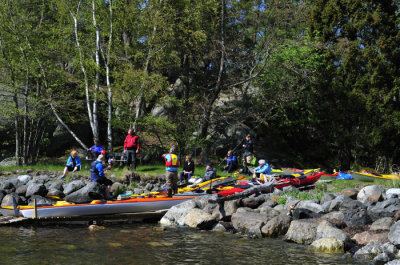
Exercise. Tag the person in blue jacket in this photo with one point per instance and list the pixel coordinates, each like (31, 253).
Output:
(73, 163)
(231, 162)
(95, 150)
(97, 174)
(263, 168)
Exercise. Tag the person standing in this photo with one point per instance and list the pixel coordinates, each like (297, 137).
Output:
(96, 149)
(171, 167)
(188, 169)
(73, 164)
(247, 154)
(131, 148)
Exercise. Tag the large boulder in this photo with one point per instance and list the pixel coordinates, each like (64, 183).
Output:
(92, 191)
(393, 193)
(373, 249)
(386, 208)
(243, 221)
(197, 218)
(36, 189)
(252, 203)
(382, 224)
(328, 197)
(340, 203)
(394, 234)
(269, 211)
(366, 237)
(328, 245)
(302, 231)
(8, 200)
(327, 230)
(58, 185)
(8, 186)
(21, 190)
(301, 213)
(2, 194)
(312, 206)
(176, 214)
(24, 179)
(55, 193)
(356, 217)
(73, 186)
(40, 201)
(383, 258)
(230, 207)
(371, 193)
(277, 226)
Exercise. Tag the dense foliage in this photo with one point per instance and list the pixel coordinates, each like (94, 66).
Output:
(316, 82)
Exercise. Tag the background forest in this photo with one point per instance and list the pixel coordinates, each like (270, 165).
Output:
(315, 82)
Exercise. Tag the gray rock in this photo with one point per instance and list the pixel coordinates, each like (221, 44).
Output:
(277, 226)
(40, 201)
(230, 207)
(24, 179)
(328, 245)
(269, 203)
(269, 211)
(176, 214)
(393, 193)
(21, 190)
(92, 191)
(385, 208)
(56, 193)
(366, 237)
(243, 221)
(281, 208)
(356, 217)
(255, 232)
(73, 186)
(312, 206)
(383, 258)
(36, 189)
(138, 191)
(251, 202)
(341, 202)
(382, 224)
(197, 218)
(2, 194)
(328, 197)
(42, 179)
(336, 215)
(394, 234)
(369, 193)
(373, 249)
(326, 230)
(58, 185)
(116, 187)
(209, 208)
(149, 186)
(302, 231)
(8, 200)
(202, 201)
(219, 228)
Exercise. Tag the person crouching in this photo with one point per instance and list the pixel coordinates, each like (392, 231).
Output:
(97, 175)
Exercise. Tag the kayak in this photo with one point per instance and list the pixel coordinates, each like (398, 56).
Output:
(291, 171)
(104, 207)
(297, 182)
(327, 176)
(369, 177)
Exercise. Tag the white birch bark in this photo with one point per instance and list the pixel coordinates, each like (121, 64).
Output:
(97, 77)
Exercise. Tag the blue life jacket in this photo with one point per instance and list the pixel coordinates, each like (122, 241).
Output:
(95, 174)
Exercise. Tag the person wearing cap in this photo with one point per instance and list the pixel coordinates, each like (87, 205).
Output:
(247, 154)
(209, 174)
(131, 148)
(73, 163)
(97, 174)
(263, 168)
(96, 149)
(171, 167)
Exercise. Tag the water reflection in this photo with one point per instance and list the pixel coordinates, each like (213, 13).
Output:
(149, 244)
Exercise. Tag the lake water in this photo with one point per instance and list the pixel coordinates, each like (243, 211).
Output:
(149, 244)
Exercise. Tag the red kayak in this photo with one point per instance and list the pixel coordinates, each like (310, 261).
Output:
(298, 181)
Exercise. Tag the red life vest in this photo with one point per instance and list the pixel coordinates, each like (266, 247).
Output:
(173, 162)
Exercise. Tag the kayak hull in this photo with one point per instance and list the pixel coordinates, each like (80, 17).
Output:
(368, 177)
(109, 207)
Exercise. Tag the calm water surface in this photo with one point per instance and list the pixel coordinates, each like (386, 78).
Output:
(149, 244)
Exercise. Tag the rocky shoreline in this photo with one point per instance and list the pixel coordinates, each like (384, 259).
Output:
(364, 224)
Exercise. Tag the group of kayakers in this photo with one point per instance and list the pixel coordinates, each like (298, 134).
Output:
(131, 149)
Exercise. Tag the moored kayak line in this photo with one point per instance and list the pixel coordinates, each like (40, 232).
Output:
(105, 208)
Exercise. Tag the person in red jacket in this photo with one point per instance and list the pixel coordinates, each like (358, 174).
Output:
(131, 148)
